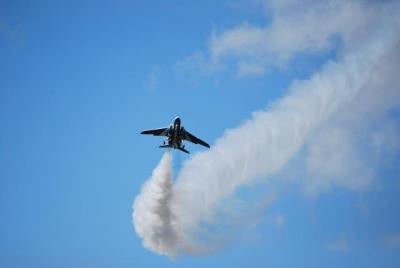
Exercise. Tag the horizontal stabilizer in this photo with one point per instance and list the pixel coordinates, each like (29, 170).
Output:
(183, 150)
(165, 146)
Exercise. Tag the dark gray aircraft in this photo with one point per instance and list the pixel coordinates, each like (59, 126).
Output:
(175, 134)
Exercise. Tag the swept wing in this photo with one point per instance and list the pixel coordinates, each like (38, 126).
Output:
(156, 132)
(190, 137)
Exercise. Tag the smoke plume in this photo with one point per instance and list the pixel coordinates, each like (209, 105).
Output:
(152, 215)
(316, 118)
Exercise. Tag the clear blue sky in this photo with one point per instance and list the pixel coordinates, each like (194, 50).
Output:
(80, 80)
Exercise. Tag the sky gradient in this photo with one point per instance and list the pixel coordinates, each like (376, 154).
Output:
(79, 81)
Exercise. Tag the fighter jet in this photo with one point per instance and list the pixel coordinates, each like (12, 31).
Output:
(175, 133)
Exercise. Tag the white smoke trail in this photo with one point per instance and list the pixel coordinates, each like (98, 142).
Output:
(152, 216)
(181, 218)
(262, 146)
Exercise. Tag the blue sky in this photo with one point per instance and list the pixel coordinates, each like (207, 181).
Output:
(79, 81)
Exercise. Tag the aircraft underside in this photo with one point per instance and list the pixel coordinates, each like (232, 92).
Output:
(175, 135)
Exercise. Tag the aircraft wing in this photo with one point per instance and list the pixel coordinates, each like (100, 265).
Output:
(194, 139)
(156, 132)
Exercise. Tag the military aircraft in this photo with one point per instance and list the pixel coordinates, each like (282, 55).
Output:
(175, 134)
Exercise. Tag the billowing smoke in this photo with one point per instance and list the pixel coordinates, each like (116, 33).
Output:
(152, 215)
(316, 118)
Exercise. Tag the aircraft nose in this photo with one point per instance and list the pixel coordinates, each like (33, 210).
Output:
(177, 120)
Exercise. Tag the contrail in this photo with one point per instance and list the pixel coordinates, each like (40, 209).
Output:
(183, 218)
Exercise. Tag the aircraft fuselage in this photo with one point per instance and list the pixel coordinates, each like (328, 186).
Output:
(174, 137)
